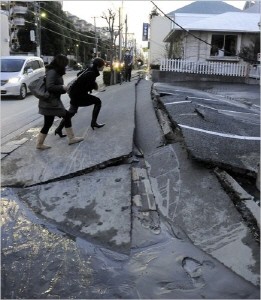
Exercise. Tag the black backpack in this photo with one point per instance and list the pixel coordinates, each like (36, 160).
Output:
(71, 84)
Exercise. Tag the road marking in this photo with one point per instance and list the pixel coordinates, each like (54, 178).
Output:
(190, 97)
(226, 111)
(178, 102)
(232, 136)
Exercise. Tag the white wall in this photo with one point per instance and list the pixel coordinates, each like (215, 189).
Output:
(159, 28)
(4, 41)
(194, 49)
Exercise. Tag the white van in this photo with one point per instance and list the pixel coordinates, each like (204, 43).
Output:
(17, 72)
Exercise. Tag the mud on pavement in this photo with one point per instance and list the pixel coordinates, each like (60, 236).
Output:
(103, 219)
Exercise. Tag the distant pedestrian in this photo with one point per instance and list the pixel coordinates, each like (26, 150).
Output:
(128, 61)
(80, 93)
(54, 106)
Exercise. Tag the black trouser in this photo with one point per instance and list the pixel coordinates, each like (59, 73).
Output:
(82, 101)
(48, 122)
(128, 74)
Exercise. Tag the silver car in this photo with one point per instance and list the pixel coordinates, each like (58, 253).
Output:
(17, 72)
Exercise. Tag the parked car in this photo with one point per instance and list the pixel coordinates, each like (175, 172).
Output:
(17, 72)
(77, 67)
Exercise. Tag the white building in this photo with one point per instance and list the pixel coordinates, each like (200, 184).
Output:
(5, 50)
(160, 26)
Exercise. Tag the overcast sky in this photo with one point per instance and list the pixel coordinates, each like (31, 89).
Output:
(137, 11)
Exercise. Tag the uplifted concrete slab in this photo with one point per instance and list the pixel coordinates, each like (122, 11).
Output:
(217, 131)
(192, 197)
(27, 166)
(146, 120)
(96, 206)
(231, 153)
(38, 263)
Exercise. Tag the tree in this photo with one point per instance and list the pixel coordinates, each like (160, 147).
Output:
(249, 53)
(55, 31)
(154, 13)
(110, 19)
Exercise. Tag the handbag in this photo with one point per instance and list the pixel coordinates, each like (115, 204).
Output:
(38, 88)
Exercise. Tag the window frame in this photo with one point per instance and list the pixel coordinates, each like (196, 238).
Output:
(220, 55)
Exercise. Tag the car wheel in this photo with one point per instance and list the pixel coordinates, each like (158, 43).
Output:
(23, 91)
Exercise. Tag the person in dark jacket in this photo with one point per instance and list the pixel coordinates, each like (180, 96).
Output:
(80, 93)
(54, 106)
(128, 61)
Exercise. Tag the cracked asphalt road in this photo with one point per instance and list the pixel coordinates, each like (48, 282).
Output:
(73, 230)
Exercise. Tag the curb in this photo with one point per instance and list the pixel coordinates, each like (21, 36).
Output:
(243, 201)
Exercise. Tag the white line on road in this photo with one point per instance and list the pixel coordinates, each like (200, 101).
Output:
(178, 102)
(232, 136)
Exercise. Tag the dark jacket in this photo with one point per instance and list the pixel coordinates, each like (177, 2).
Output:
(84, 84)
(127, 60)
(54, 85)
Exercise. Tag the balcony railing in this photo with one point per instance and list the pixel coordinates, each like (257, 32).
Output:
(19, 21)
(19, 10)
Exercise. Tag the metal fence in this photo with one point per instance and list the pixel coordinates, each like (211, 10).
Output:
(207, 68)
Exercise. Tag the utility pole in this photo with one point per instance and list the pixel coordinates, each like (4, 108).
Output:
(126, 32)
(120, 35)
(96, 39)
(38, 28)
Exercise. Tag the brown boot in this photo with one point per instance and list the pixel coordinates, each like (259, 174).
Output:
(71, 138)
(40, 142)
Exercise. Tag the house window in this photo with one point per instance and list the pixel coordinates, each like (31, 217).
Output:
(223, 45)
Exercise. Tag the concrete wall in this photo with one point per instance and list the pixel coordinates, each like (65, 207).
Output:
(173, 77)
(159, 28)
(4, 35)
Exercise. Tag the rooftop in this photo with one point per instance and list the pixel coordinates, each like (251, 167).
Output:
(206, 7)
(230, 21)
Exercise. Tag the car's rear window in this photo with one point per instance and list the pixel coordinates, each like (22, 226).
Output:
(11, 65)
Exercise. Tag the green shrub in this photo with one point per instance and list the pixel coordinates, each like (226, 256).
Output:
(154, 67)
(107, 77)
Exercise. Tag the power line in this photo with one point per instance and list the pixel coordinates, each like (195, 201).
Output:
(61, 34)
(88, 36)
(196, 37)
(64, 20)
(67, 22)
(80, 41)
(60, 25)
(188, 32)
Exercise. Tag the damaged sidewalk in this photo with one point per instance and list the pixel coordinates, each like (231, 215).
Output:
(166, 221)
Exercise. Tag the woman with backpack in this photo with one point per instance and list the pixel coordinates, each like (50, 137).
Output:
(80, 93)
(53, 106)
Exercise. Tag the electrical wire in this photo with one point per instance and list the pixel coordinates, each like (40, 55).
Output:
(79, 41)
(62, 34)
(76, 32)
(188, 32)
(196, 37)
(85, 35)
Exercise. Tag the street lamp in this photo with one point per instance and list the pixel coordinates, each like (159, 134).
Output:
(96, 37)
(76, 50)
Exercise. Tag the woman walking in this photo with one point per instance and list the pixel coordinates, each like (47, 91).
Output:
(80, 93)
(54, 106)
